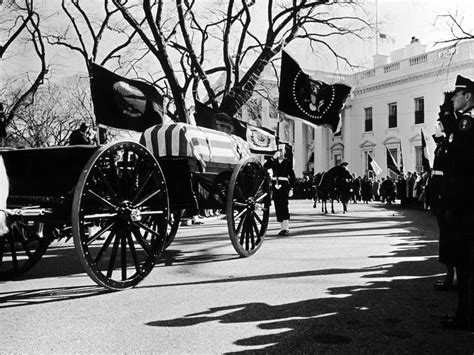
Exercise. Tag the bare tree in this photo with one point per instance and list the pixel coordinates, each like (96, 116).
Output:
(27, 21)
(457, 29)
(183, 48)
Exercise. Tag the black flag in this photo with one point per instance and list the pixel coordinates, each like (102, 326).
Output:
(124, 103)
(311, 100)
(425, 155)
(209, 117)
(391, 163)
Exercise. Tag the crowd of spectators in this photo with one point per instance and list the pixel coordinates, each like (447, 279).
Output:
(409, 190)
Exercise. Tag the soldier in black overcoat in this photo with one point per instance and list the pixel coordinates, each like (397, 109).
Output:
(283, 180)
(457, 198)
(433, 192)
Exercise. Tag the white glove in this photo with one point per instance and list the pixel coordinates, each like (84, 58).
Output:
(290, 193)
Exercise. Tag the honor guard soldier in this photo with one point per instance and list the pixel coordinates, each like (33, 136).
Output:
(283, 179)
(458, 200)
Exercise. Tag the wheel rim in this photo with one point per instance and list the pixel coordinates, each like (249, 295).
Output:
(173, 225)
(120, 215)
(21, 248)
(248, 206)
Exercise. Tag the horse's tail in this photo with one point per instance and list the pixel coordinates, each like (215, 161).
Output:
(4, 188)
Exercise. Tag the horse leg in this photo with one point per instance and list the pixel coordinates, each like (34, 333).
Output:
(332, 206)
(4, 187)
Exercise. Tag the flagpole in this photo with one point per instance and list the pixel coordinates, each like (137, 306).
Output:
(376, 29)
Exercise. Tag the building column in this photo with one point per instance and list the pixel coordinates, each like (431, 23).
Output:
(300, 149)
(321, 155)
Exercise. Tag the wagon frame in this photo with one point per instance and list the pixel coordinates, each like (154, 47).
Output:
(122, 206)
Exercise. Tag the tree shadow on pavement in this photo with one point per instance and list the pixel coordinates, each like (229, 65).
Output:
(397, 311)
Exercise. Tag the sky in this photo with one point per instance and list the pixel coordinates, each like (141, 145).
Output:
(398, 19)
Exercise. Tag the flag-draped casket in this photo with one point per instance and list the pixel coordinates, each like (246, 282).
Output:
(203, 144)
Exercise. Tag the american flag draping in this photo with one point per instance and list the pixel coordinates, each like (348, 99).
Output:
(185, 140)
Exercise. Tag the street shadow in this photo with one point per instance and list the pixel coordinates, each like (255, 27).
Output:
(396, 311)
(48, 295)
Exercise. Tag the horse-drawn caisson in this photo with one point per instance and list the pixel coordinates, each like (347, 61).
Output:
(121, 203)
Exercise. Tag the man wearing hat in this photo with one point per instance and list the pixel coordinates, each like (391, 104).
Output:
(458, 199)
(283, 179)
(80, 136)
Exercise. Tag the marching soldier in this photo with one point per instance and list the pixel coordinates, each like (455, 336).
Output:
(457, 198)
(283, 178)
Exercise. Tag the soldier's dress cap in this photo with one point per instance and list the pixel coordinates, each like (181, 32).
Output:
(463, 83)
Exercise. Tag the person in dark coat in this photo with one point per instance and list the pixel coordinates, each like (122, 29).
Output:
(388, 190)
(366, 189)
(433, 196)
(402, 190)
(283, 179)
(80, 136)
(457, 198)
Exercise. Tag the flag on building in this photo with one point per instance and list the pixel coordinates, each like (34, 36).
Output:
(312, 101)
(386, 38)
(391, 164)
(401, 158)
(124, 103)
(425, 155)
(374, 166)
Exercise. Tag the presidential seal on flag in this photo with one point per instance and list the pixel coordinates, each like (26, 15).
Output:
(313, 101)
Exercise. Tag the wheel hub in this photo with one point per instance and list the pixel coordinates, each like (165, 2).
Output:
(127, 213)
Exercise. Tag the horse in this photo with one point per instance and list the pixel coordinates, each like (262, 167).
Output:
(4, 189)
(335, 184)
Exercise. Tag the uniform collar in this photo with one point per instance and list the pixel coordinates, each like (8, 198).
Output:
(469, 110)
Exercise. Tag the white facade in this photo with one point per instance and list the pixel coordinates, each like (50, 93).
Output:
(416, 82)
(404, 79)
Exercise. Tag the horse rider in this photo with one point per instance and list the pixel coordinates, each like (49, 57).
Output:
(457, 196)
(283, 179)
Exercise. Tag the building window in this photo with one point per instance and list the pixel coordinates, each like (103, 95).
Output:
(368, 119)
(337, 159)
(419, 110)
(392, 115)
(418, 159)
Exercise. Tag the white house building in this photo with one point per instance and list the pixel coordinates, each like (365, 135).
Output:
(389, 106)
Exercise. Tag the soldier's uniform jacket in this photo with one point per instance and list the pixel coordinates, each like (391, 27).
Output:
(283, 175)
(459, 163)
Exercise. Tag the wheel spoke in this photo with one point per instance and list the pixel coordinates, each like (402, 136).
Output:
(241, 230)
(100, 199)
(257, 217)
(100, 233)
(257, 231)
(240, 204)
(123, 256)
(100, 216)
(147, 197)
(107, 184)
(140, 240)
(24, 244)
(113, 255)
(105, 246)
(142, 186)
(133, 252)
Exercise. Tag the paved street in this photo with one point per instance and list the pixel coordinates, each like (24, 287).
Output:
(359, 282)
